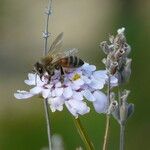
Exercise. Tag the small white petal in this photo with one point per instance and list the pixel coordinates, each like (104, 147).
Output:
(77, 107)
(75, 87)
(46, 93)
(58, 91)
(56, 103)
(58, 84)
(67, 92)
(95, 84)
(77, 95)
(100, 75)
(22, 94)
(31, 76)
(49, 86)
(86, 80)
(113, 81)
(88, 68)
(88, 95)
(101, 102)
(60, 108)
(36, 90)
(29, 82)
(31, 79)
(78, 82)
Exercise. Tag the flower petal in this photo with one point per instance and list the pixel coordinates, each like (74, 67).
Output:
(22, 94)
(95, 84)
(31, 79)
(77, 95)
(67, 92)
(88, 95)
(58, 91)
(56, 103)
(77, 107)
(46, 93)
(101, 103)
(100, 75)
(78, 82)
(113, 81)
(36, 90)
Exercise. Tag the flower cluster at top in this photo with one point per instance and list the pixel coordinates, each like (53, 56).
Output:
(78, 86)
(117, 50)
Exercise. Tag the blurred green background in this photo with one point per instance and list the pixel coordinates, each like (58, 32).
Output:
(85, 24)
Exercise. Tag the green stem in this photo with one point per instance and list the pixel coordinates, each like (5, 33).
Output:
(122, 126)
(83, 134)
(106, 132)
(105, 143)
(48, 123)
(122, 135)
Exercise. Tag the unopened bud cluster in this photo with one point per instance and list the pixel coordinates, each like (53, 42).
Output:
(124, 110)
(118, 64)
(117, 50)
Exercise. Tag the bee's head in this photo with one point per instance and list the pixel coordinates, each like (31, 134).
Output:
(38, 68)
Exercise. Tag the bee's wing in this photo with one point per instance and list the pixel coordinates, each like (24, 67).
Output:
(57, 43)
(64, 54)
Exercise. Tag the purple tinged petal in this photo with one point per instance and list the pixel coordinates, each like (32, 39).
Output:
(77, 107)
(100, 75)
(101, 103)
(88, 95)
(78, 82)
(86, 80)
(88, 68)
(58, 91)
(77, 95)
(67, 92)
(95, 84)
(56, 103)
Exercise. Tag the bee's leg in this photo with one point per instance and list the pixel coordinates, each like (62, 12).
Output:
(40, 77)
(62, 74)
(49, 75)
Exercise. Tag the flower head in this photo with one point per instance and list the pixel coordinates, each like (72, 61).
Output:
(78, 84)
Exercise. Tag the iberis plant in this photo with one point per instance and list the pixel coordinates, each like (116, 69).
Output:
(77, 87)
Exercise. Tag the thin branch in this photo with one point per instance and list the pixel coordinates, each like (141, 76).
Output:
(106, 132)
(83, 134)
(48, 123)
(122, 135)
(46, 35)
(122, 126)
(107, 118)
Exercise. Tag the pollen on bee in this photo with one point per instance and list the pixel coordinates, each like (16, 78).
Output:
(76, 77)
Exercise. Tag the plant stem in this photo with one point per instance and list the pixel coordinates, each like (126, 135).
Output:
(105, 143)
(48, 13)
(122, 126)
(46, 35)
(83, 134)
(106, 132)
(122, 135)
(48, 123)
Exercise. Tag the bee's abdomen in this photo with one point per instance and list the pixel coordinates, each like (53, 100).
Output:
(71, 61)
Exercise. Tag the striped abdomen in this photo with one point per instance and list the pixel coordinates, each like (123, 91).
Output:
(71, 62)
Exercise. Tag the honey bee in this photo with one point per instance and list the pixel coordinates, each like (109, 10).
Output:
(55, 60)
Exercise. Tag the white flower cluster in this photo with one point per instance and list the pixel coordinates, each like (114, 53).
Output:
(77, 85)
